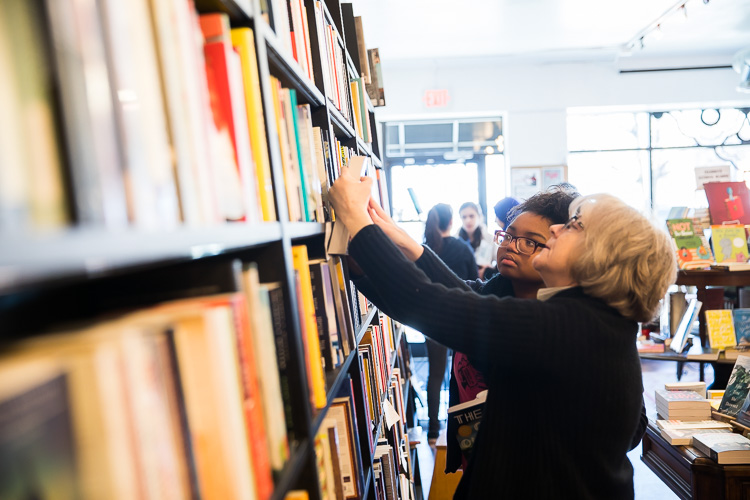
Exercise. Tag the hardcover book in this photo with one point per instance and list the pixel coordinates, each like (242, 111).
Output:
(729, 244)
(742, 326)
(720, 328)
(737, 387)
(728, 201)
(466, 419)
(692, 249)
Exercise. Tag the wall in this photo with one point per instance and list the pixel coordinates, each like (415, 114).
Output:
(535, 96)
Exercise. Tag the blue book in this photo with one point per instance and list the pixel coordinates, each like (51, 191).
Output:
(742, 326)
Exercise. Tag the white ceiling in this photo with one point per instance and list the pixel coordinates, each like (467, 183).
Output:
(561, 30)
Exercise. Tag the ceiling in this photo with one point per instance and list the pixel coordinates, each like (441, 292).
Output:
(560, 30)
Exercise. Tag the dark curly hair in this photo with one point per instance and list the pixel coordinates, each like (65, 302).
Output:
(551, 204)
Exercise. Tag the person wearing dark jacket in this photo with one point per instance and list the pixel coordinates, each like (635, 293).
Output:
(569, 358)
(460, 259)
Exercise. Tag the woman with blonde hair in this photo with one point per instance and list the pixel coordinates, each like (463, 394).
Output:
(569, 358)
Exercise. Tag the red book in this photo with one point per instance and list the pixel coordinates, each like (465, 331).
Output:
(728, 201)
(256, 428)
(227, 98)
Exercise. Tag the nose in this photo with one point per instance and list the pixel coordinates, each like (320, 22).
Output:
(555, 229)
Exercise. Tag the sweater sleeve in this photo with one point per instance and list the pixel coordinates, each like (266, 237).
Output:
(438, 272)
(456, 317)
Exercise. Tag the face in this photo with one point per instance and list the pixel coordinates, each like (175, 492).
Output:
(554, 262)
(469, 219)
(515, 265)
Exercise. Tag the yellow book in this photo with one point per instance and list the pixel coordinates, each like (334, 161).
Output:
(720, 328)
(354, 86)
(244, 42)
(301, 264)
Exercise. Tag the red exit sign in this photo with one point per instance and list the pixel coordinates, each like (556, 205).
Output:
(436, 98)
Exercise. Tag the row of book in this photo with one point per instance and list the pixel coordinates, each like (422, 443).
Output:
(148, 115)
(190, 398)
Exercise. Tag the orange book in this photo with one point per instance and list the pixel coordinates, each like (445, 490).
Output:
(253, 402)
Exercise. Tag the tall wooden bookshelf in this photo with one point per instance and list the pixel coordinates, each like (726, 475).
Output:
(88, 271)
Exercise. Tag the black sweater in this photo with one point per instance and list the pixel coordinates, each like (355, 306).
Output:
(565, 391)
(459, 258)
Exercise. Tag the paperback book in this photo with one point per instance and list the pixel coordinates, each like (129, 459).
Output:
(466, 419)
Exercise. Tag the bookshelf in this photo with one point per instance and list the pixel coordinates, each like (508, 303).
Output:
(134, 260)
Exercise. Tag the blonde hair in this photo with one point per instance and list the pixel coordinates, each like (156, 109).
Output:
(626, 261)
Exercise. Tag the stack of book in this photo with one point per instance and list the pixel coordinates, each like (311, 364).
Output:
(724, 448)
(698, 387)
(681, 432)
(682, 405)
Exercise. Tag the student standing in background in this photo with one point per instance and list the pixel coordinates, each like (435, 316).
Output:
(460, 259)
(474, 233)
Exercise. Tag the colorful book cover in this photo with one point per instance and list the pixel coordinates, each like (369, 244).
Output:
(742, 326)
(692, 249)
(466, 419)
(729, 243)
(720, 328)
(737, 387)
(728, 201)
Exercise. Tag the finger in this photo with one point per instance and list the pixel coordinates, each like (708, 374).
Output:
(381, 213)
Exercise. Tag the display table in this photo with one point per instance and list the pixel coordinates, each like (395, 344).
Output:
(690, 474)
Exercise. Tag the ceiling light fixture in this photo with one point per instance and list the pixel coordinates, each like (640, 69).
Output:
(677, 12)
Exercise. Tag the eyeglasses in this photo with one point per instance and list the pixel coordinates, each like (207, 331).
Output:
(525, 246)
(574, 223)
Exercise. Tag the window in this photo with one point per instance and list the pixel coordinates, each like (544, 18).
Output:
(443, 161)
(648, 159)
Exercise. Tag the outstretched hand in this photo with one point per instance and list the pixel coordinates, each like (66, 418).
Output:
(349, 196)
(411, 249)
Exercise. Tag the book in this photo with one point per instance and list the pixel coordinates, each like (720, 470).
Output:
(680, 399)
(466, 419)
(743, 416)
(96, 172)
(729, 244)
(679, 339)
(720, 328)
(692, 424)
(208, 362)
(283, 352)
(32, 189)
(259, 308)
(697, 387)
(37, 444)
(325, 313)
(741, 319)
(737, 387)
(243, 40)
(342, 412)
(678, 437)
(728, 201)
(301, 264)
(724, 448)
(233, 162)
(693, 251)
(188, 110)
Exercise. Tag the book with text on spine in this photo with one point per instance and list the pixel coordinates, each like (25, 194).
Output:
(466, 419)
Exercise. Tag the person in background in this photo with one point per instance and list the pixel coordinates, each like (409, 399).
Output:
(502, 210)
(544, 438)
(460, 259)
(474, 233)
(527, 226)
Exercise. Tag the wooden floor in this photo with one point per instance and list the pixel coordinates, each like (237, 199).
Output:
(647, 485)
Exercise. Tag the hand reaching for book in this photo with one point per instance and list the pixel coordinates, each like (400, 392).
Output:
(349, 196)
(411, 249)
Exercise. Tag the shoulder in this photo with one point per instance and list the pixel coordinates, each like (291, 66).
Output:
(498, 285)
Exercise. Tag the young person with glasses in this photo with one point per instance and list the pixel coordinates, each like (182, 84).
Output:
(526, 232)
(564, 376)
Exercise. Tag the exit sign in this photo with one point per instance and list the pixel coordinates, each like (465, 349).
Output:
(436, 98)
